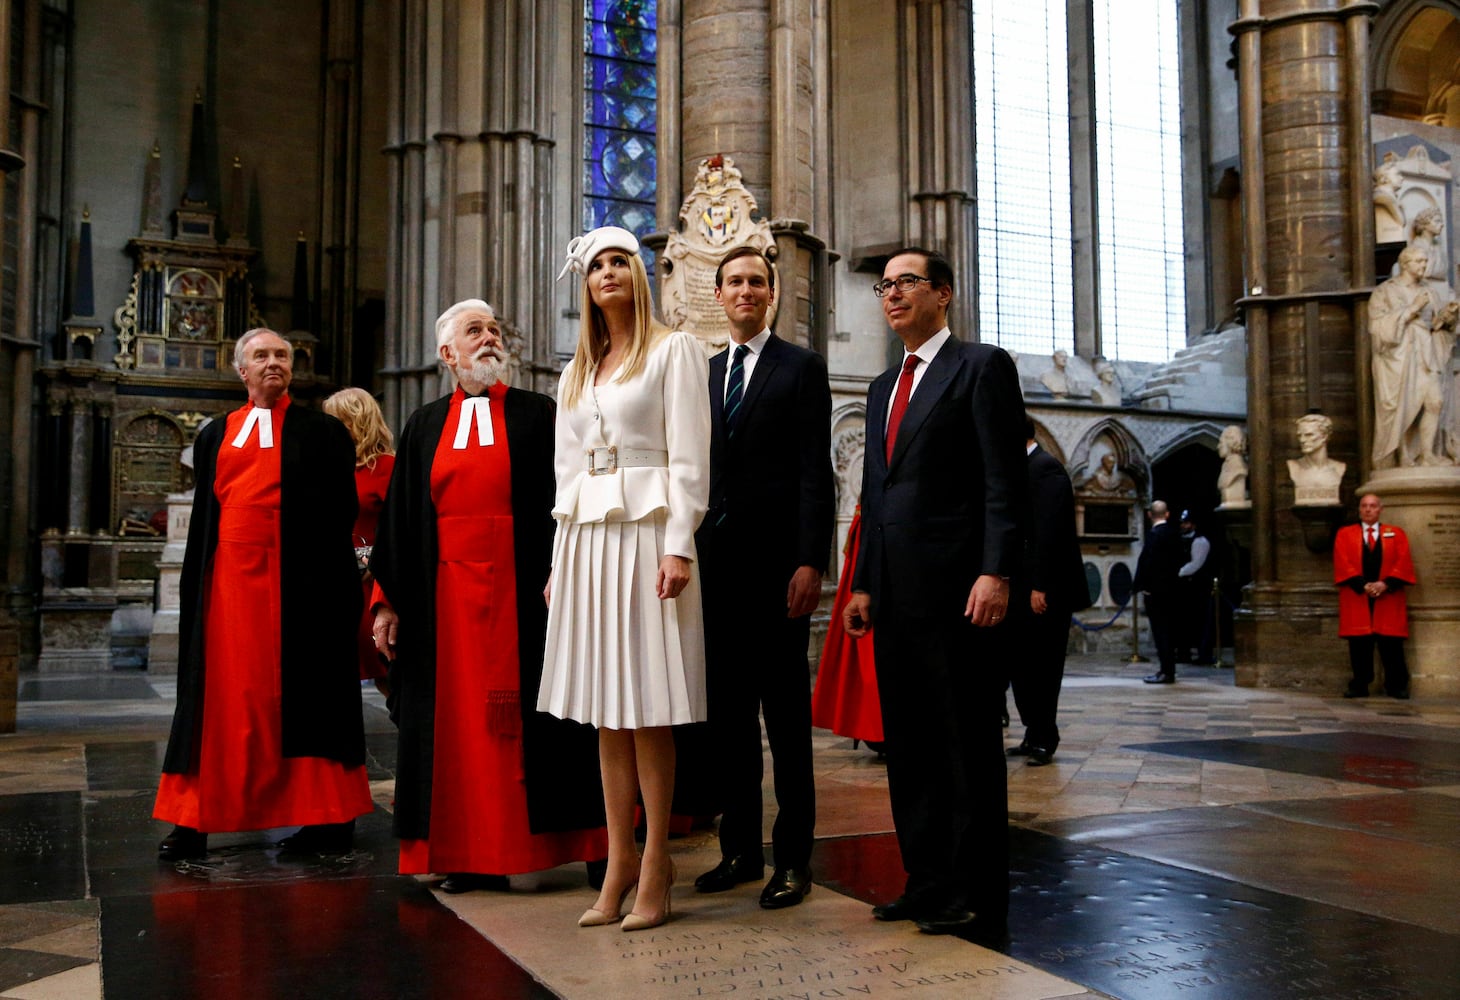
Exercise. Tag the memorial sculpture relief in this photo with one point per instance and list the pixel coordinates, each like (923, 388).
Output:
(1412, 324)
(1316, 477)
(1109, 480)
(714, 219)
(1057, 378)
(1107, 391)
(1232, 480)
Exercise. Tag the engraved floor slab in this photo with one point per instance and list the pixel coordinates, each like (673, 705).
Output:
(1391, 761)
(725, 944)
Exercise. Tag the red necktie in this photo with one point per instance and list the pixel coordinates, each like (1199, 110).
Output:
(1369, 537)
(899, 401)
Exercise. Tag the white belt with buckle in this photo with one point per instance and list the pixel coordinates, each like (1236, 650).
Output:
(602, 461)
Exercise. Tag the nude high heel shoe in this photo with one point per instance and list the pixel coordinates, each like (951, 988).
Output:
(594, 917)
(636, 921)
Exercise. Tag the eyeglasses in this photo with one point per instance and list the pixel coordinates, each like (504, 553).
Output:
(904, 282)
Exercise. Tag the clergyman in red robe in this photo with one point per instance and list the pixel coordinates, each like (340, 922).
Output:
(268, 729)
(486, 786)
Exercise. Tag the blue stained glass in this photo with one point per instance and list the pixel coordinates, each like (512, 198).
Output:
(620, 115)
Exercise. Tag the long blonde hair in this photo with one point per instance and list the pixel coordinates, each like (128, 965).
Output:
(360, 413)
(593, 340)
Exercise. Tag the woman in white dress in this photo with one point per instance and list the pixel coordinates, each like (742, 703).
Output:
(625, 642)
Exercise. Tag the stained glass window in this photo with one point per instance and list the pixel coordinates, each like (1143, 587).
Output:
(619, 115)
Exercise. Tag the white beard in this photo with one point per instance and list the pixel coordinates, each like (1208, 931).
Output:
(487, 369)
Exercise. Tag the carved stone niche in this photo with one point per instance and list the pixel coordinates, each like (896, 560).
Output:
(713, 220)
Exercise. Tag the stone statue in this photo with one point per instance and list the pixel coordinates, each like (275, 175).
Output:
(1315, 476)
(1107, 391)
(1389, 220)
(1108, 480)
(1412, 329)
(1232, 480)
(1057, 379)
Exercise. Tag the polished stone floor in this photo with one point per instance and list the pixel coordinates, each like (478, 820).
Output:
(1197, 840)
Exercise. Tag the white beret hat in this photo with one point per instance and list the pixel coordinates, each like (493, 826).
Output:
(582, 249)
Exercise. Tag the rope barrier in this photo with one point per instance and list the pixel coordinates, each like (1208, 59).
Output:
(1101, 628)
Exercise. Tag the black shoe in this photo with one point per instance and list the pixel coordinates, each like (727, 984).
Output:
(902, 908)
(459, 882)
(1022, 750)
(787, 887)
(731, 872)
(1354, 693)
(597, 872)
(182, 843)
(991, 934)
(1401, 695)
(1039, 756)
(1159, 678)
(322, 838)
(947, 919)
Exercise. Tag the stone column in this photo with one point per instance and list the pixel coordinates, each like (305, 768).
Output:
(752, 85)
(472, 143)
(1303, 109)
(340, 186)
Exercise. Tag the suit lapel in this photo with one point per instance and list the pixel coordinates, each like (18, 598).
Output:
(765, 365)
(879, 395)
(717, 394)
(930, 389)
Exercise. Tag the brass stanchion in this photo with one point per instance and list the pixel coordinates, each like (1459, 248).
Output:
(1135, 630)
(1218, 658)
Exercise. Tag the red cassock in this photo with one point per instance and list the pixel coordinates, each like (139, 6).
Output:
(370, 486)
(478, 801)
(1390, 613)
(845, 699)
(243, 781)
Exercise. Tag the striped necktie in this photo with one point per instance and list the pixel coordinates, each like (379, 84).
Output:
(735, 389)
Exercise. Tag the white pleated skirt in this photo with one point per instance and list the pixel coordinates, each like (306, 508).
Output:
(617, 656)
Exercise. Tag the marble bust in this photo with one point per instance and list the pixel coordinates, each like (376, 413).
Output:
(1107, 392)
(1108, 480)
(1232, 479)
(1057, 379)
(1315, 476)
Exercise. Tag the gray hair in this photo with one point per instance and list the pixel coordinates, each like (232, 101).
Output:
(250, 335)
(446, 322)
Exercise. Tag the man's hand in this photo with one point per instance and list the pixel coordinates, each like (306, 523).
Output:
(1376, 589)
(1038, 602)
(384, 631)
(987, 601)
(803, 592)
(857, 615)
(673, 576)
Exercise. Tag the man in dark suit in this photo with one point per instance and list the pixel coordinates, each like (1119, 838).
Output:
(1049, 587)
(943, 493)
(1157, 575)
(763, 547)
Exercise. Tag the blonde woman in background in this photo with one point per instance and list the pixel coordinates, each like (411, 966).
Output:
(374, 460)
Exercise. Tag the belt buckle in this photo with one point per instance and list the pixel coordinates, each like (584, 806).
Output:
(610, 457)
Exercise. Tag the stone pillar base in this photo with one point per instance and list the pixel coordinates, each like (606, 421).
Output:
(1287, 636)
(76, 639)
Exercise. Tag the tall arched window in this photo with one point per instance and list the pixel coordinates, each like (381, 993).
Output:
(1023, 54)
(619, 115)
